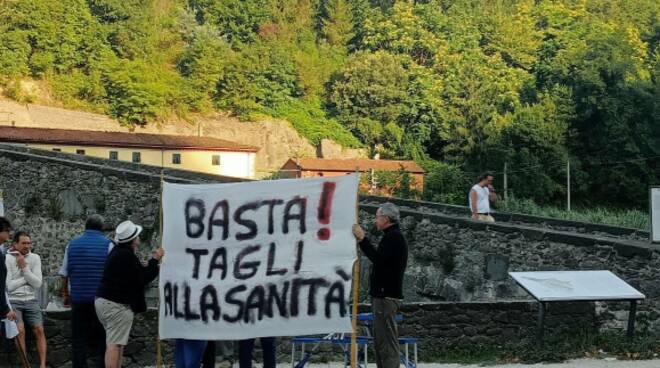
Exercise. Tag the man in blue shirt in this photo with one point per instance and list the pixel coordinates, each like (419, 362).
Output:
(83, 265)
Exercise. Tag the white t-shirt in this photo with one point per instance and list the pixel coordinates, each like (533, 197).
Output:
(483, 198)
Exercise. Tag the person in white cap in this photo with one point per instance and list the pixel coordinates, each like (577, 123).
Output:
(121, 292)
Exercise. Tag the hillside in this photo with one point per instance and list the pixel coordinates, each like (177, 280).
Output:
(459, 85)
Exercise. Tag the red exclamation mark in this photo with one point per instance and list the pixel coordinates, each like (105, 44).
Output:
(325, 209)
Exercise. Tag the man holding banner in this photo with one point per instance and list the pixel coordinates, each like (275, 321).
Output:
(257, 259)
(386, 282)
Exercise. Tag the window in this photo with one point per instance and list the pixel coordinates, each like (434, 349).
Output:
(114, 155)
(176, 158)
(57, 149)
(137, 157)
(215, 160)
(80, 151)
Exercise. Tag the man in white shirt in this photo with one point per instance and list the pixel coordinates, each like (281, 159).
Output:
(481, 195)
(24, 280)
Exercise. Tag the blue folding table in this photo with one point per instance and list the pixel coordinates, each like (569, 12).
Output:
(344, 340)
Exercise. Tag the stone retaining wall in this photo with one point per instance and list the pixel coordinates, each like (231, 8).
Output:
(452, 259)
(438, 326)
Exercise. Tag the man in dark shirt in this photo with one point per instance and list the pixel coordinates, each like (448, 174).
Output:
(121, 292)
(386, 282)
(5, 312)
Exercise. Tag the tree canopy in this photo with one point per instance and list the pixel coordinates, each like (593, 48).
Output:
(461, 86)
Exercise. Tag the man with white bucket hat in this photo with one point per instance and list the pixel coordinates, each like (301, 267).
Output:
(121, 293)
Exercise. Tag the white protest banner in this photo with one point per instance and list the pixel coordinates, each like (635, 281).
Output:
(265, 258)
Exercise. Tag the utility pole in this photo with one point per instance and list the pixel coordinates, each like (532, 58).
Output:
(506, 183)
(568, 185)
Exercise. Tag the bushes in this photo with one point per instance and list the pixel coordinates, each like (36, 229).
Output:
(446, 183)
(599, 215)
(312, 123)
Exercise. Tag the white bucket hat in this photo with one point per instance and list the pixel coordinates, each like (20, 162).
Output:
(127, 231)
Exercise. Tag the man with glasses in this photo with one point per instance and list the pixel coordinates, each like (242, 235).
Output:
(385, 282)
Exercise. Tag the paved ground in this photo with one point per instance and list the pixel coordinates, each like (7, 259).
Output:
(581, 363)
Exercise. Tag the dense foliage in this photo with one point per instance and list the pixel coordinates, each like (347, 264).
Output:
(458, 85)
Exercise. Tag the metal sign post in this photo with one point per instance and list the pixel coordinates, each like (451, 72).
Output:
(654, 210)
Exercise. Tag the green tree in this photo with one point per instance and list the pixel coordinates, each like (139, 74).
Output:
(237, 20)
(202, 64)
(260, 77)
(368, 95)
(338, 23)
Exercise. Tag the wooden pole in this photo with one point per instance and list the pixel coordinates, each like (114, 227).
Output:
(356, 286)
(159, 352)
(21, 354)
(506, 182)
(568, 185)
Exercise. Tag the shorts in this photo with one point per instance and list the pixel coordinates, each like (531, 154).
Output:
(116, 319)
(486, 218)
(28, 312)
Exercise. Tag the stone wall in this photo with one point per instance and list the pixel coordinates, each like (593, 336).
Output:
(140, 352)
(460, 260)
(49, 194)
(438, 327)
(458, 265)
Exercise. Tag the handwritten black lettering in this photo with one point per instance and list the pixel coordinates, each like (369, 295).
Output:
(313, 284)
(335, 295)
(190, 315)
(231, 299)
(218, 262)
(271, 261)
(207, 305)
(167, 296)
(271, 206)
(195, 219)
(197, 254)
(223, 222)
(254, 301)
(277, 299)
(301, 203)
(249, 224)
(252, 266)
(299, 256)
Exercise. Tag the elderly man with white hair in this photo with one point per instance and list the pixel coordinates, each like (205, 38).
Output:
(386, 281)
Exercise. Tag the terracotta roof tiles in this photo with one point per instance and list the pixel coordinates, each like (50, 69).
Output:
(118, 139)
(319, 164)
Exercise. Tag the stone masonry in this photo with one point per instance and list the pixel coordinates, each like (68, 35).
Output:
(457, 288)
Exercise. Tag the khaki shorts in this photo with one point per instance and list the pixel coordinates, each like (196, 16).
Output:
(116, 319)
(486, 218)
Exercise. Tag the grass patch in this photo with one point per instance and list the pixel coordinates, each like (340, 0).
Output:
(634, 219)
(312, 123)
